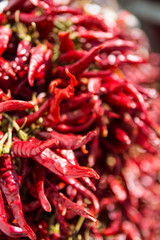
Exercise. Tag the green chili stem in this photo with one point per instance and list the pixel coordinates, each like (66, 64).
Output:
(22, 135)
(9, 142)
(2, 141)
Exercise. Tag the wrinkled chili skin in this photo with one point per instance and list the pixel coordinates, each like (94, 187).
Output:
(79, 133)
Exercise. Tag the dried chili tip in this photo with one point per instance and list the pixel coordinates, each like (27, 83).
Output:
(12, 105)
(68, 141)
(12, 231)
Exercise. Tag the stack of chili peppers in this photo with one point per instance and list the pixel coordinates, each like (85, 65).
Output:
(79, 137)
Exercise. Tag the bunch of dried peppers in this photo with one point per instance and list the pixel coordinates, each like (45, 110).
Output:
(79, 135)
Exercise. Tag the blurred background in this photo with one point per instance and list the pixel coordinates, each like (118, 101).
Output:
(147, 11)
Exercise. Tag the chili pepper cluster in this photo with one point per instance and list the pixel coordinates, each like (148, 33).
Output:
(79, 131)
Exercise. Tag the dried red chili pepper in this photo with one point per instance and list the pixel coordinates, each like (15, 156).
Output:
(60, 94)
(37, 58)
(5, 35)
(39, 176)
(31, 148)
(11, 191)
(28, 18)
(12, 105)
(66, 43)
(85, 192)
(90, 21)
(68, 141)
(61, 166)
(65, 202)
(71, 158)
(5, 227)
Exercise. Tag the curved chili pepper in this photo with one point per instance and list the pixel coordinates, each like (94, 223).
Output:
(90, 21)
(79, 128)
(79, 66)
(28, 18)
(60, 94)
(69, 141)
(39, 176)
(12, 105)
(5, 35)
(85, 192)
(5, 227)
(65, 202)
(11, 191)
(37, 58)
(31, 148)
(62, 167)
(29, 119)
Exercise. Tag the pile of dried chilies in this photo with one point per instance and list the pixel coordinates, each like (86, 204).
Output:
(79, 136)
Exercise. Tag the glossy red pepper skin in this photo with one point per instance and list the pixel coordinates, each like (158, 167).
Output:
(37, 58)
(60, 94)
(12, 105)
(69, 141)
(5, 35)
(61, 166)
(71, 158)
(31, 148)
(65, 202)
(39, 177)
(84, 191)
(5, 227)
(11, 191)
(28, 18)
(66, 44)
(7, 69)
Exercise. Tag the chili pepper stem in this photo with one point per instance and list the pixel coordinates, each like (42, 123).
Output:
(22, 135)
(8, 145)
(2, 141)
(79, 224)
